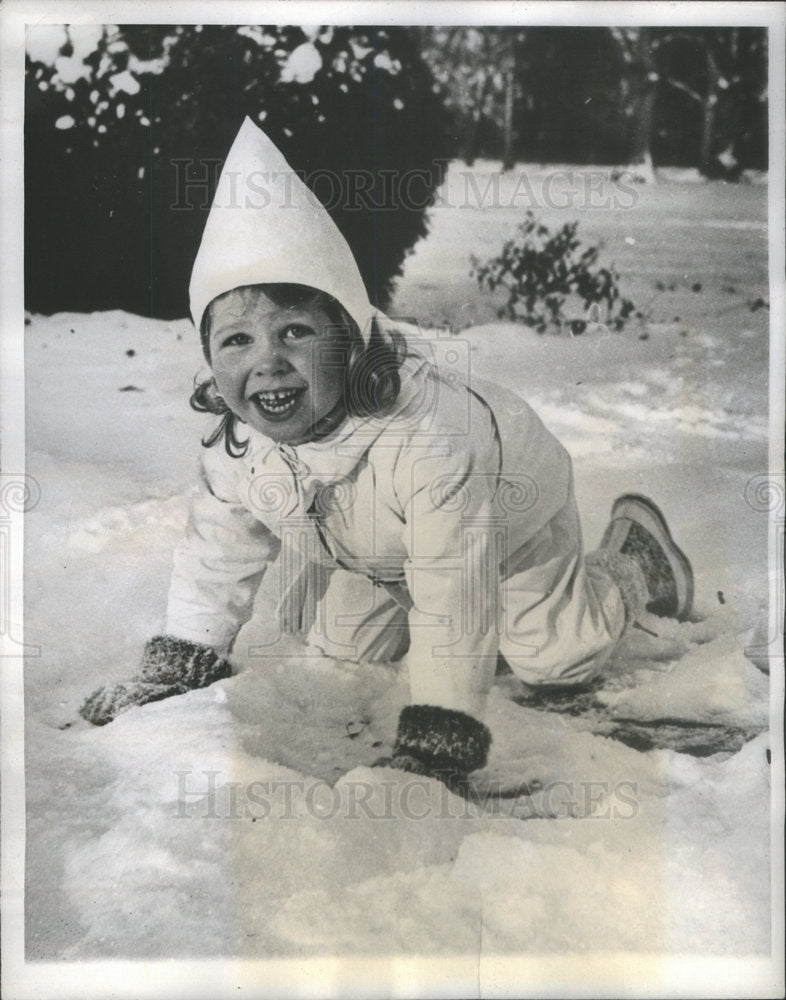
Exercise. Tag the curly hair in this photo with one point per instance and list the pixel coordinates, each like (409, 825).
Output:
(371, 379)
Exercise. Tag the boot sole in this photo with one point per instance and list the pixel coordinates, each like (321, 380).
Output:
(639, 508)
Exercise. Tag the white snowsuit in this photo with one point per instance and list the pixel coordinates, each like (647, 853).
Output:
(448, 527)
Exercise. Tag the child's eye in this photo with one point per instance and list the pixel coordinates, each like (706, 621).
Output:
(297, 331)
(236, 340)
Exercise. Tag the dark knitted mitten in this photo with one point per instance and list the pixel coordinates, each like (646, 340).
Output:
(170, 667)
(440, 743)
(107, 702)
(167, 660)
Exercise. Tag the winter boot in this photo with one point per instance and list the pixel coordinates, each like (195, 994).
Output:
(638, 530)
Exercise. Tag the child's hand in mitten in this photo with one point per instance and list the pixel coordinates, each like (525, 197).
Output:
(440, 743)
(449, 745)
(170, 667)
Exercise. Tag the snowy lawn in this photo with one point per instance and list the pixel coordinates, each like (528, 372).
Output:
(245, 820)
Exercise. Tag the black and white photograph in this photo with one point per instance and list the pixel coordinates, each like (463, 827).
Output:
(392, 499)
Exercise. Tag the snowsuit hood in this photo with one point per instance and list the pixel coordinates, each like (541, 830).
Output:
(265, 226)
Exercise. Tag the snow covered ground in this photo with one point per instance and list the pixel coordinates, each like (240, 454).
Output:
(244, 820)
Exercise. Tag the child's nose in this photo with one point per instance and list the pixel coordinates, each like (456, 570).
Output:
(270, 359)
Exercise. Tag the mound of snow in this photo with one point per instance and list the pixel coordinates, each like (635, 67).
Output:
(714, 683)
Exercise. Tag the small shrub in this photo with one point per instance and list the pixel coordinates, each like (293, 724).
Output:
(541, 271)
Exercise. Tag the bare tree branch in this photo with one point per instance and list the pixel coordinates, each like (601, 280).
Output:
(679, 85)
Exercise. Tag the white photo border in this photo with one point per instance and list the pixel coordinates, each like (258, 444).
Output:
(480, 975)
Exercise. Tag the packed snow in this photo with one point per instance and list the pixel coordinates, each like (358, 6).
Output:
(245, 819)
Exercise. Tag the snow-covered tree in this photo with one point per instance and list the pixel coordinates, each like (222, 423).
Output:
(127, 127)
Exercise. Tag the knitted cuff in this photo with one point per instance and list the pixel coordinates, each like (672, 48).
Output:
(627, 576)
(441, 739)
(108, 702)
(168, 660)
(170, 667)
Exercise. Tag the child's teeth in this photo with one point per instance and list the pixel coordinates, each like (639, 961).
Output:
(277, 400)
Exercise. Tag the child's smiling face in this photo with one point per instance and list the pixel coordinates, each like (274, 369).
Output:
(280, 369)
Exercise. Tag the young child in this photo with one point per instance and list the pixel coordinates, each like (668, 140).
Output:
(410, 512)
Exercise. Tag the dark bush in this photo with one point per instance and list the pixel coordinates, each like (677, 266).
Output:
(541, 271)
(108, 221)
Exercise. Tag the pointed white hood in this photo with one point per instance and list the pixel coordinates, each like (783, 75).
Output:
(266, 226)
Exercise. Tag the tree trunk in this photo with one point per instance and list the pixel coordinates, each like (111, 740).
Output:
(471, 138)
(644, 108)
(508, 158)
(708, 122)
